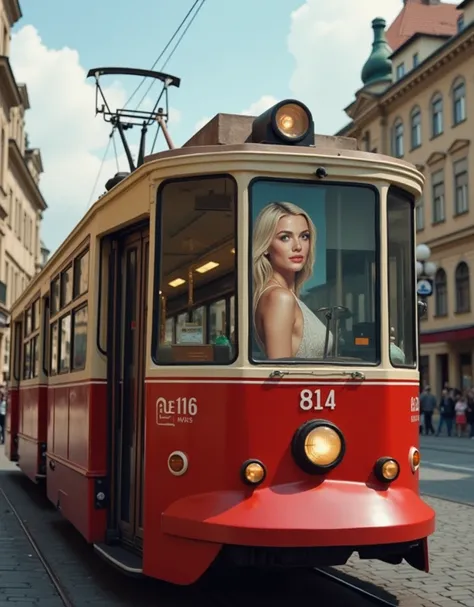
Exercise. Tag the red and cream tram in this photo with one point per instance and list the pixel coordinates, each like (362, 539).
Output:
(220, 361)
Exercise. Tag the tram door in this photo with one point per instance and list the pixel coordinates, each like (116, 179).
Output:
(128, 269)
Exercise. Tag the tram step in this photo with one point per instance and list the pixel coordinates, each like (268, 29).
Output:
(122, 559)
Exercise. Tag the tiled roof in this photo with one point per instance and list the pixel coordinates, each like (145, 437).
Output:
(419, 18)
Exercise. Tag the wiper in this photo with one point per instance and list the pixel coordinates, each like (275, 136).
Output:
(356, 375)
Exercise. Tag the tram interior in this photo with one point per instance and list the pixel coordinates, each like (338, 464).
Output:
(198, 271)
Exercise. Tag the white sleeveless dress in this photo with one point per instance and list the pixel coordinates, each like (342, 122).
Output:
(313, 332)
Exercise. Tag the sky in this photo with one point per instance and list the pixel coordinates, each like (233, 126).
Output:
(236, 57)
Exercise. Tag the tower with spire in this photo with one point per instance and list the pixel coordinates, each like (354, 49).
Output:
(377, 71)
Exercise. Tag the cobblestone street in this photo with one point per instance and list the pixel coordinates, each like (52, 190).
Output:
(89, 581)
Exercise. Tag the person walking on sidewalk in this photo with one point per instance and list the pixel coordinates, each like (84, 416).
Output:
(427, 406)
(3, 411)
(446, 412)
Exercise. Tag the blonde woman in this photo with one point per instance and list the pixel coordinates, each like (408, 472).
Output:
(284, 243)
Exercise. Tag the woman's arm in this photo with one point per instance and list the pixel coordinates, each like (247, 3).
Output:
(278, 319)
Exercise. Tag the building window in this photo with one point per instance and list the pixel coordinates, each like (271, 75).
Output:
(398, 139)
(420, 215)
(437, 115)
(400, 71)
(463, 299)
(459, 102)
(460, 23)
(461, 197)
(438, 196)
(441, 293)
(416, 128)
(416, 59)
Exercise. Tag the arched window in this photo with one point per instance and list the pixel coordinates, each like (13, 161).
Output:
(459, 101)
(397, 139)
(441, 293)
(437, 115)
(463, 296)
(415, 128)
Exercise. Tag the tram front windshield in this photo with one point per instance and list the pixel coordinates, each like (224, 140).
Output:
(315, 272)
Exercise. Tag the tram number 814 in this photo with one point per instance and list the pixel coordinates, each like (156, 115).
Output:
(313, 400)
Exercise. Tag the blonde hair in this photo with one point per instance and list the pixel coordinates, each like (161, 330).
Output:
(263, 234)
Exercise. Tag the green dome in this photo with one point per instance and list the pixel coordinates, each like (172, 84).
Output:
(378, 67)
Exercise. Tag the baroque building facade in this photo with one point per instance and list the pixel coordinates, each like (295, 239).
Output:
(21, 203)
(416, 103)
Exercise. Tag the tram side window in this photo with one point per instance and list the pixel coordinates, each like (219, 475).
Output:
(31, 341)
(315, 278)
(68, 316)
(196, 243)
(401, 278)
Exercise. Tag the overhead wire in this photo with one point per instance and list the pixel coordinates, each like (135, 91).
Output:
(163, 51)
(172, 53)
(111, 137)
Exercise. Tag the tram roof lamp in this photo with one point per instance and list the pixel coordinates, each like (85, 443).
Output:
(423, 252)
(287, 122)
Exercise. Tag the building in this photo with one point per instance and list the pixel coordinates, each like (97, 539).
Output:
(416, 103)
(21, 203)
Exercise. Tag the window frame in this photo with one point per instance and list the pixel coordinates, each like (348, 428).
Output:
(31, 337)
(410, 198)
(55, 316)
(158, 236)
(377, 282)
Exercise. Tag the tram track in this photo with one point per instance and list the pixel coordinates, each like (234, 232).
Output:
(369, 596)
(54, 580)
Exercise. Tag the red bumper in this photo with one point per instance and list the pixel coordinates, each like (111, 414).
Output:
(336, 513)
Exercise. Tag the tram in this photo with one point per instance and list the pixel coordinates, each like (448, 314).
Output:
(219, 363)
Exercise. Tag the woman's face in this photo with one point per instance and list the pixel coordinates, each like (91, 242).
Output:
(289, 247)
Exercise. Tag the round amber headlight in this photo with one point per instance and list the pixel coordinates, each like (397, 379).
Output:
(292, 121)
(318, 446)
(386, 469)
(253, 472)
(322, 446)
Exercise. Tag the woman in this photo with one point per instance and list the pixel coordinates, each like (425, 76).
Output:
(284, 242)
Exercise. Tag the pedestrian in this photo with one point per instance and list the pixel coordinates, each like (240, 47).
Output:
(461, 417)
(427, 406)
(446, 412)
(3, 411)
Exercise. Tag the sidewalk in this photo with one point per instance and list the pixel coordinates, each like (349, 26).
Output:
(23, 579)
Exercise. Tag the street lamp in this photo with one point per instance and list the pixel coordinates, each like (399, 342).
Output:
(425, 271)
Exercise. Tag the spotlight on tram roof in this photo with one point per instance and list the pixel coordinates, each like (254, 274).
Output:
(287, 122)
(113, 181)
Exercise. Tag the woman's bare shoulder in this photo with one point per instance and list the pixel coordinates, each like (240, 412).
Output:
(278, 298)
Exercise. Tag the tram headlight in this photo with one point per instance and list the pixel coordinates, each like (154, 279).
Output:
(414, 458)
(177, 463)
(253, 472)
(386, 469)
(289, 121)
(318, 446)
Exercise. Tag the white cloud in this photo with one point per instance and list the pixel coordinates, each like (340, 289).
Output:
(259, 106)
(62, 123)
(255, 109)
(330, 42)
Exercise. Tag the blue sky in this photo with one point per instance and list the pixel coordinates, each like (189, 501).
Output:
(236, 57)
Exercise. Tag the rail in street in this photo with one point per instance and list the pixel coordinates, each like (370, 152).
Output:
(83, 579)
